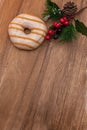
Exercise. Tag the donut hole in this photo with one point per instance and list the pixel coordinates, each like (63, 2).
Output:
(27, 30)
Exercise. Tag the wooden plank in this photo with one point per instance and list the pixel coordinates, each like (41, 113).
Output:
(43, 89)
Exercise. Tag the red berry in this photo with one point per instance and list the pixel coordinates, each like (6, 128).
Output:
(51, 32)
(62, 20)
(65, 18)
(55, 23)
(58, 25)
(66, 23)
(47, 37)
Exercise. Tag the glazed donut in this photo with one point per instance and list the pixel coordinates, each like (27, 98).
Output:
(25, 41)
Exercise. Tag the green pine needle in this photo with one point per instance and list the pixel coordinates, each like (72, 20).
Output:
(48, 3)
(52, 10)
(68, 33)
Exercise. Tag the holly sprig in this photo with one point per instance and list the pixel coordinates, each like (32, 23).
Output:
(62, 28)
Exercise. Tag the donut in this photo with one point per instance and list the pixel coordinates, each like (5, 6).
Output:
(31, 40)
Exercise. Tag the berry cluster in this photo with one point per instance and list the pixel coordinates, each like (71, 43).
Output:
(57, 28)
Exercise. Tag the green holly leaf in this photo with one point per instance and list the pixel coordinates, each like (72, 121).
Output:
(68, 33)
(80, 27)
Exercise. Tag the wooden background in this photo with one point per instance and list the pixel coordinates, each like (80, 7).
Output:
(43, 89)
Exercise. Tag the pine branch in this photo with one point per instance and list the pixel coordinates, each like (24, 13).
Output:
(68, 33)
(52, 10)
(48, 2)
(81, 10)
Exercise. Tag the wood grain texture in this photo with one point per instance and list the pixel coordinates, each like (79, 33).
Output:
(45, 89)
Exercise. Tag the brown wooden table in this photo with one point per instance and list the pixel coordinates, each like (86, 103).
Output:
(43, 89)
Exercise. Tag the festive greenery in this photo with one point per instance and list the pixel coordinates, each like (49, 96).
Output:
(68, 33)
(62, 28)
(80, 27)
(52, 11)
